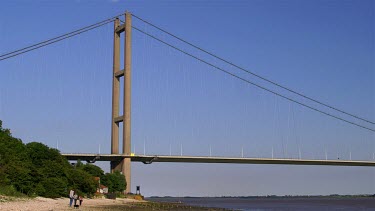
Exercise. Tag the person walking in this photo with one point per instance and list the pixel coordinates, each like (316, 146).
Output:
(71, 195)
(75, 197)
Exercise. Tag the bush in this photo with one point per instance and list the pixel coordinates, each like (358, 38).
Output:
(40, 190)
(82, 181)
(54, 187)
(10, 191)
(114, 181)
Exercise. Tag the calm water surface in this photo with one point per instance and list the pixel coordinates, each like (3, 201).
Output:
(278, 203)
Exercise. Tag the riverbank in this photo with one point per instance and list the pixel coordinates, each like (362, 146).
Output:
(60, 204)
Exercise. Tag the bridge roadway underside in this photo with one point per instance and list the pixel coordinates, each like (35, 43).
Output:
(148, 159)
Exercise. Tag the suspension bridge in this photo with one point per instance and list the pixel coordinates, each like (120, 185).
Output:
(121, 159)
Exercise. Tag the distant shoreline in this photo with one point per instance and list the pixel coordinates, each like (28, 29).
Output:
(272, 196)
(351, 202)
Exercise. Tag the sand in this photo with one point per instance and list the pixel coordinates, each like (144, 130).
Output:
(46, 204)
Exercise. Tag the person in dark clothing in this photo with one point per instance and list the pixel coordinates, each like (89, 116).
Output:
(80, 198)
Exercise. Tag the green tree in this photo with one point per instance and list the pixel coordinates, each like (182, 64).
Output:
(54, 187)
(4, 130)
(79, 164)
(19, 176)
(93, 170)
(36, 169)
(15, 168)
(39, 190)
(39, 152)
(82, 181)
(114, 181)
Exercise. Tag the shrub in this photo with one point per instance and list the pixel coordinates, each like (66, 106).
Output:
(54, 187)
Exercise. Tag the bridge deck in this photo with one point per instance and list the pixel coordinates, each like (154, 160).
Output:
(147, 159)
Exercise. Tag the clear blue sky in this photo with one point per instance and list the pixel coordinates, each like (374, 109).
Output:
(325, 49)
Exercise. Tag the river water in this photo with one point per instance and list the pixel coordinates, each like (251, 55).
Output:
(260, 204)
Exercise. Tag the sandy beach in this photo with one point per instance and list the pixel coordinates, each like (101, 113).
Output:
(119, 204)
(46, 204)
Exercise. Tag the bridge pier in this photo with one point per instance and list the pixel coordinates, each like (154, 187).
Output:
(116, 165)
(123, 165)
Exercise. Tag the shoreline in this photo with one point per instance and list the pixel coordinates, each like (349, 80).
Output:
(187, 203)
(60, 204)
(268, 196)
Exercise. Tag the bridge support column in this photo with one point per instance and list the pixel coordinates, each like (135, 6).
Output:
(115, 91)
(124, 165)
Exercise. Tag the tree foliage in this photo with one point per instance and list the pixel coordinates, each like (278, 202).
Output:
(93, 170)
(36, 169)
(114, 181)
(82, 181)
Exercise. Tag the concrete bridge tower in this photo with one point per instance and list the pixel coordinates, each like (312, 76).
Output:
(123, 165)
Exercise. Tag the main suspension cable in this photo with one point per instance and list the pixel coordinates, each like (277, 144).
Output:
(252, 73)
(57, 39)
(252, 83)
